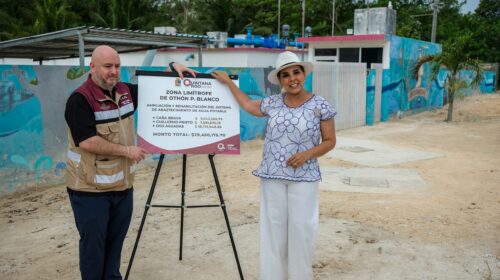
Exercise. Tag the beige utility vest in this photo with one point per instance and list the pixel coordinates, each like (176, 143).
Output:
(90, 172)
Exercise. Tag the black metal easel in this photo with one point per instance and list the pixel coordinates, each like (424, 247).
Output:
(182, 207)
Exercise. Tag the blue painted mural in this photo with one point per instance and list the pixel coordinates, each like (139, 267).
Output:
(33, 133)
(20, 125)
(488, 84)
(370, 96)
(401, 92)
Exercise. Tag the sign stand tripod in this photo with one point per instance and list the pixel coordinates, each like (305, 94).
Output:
(182, 207)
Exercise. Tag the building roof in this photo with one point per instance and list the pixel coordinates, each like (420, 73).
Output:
(81, 41)
(367, 37)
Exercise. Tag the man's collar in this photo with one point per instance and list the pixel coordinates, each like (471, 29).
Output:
(105, 93)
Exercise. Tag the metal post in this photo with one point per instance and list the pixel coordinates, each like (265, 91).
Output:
(183, 206)
(434, 20)
(223, 207)
(333, 18)
(279, 20)
(149, 57)
(303, 16)
(200, 56)
(183, 202)
(81, 51)
(146, 209)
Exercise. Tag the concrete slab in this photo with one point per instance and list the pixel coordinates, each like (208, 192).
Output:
(376, 154)
(371, 180)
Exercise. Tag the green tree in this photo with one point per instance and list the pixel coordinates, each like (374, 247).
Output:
(179, 13)
(221, 15)
(449, 22)
(115, 14)
(262, 15)
(453, 60)
(319, 17)
(488, 9)
(485, 25)
(414, 18)
(124, 14)
(15, 20)
(52, 15)
(11, 27)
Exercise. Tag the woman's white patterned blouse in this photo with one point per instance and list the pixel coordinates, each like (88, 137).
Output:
(289, 131)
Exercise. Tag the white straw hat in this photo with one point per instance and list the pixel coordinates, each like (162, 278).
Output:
(285, 60)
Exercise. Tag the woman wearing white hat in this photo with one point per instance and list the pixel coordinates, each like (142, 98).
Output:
(289, 171)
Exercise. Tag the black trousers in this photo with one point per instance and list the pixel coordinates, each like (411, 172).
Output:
(102, 221)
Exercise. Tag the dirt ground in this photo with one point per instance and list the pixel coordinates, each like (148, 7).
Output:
(450, 230)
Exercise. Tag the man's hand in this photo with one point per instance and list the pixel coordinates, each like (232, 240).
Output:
(100, 146)
(180, 68)
(136, 153)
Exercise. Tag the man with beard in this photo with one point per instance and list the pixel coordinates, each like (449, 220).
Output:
(102, 159)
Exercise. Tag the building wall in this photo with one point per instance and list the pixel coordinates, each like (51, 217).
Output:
(370, 96)
(33, 132)
(344, 86)
(401, 92)
(227, 57)
(385, 45)
(488, 84)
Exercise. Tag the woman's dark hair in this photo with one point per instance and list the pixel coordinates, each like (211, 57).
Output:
(301, 68)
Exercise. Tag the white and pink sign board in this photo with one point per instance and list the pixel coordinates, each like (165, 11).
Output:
(186, 116)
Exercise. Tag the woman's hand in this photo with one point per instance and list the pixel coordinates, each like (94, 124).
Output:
(298, 159)
(249, 105)
(221, 76)
(328, 141)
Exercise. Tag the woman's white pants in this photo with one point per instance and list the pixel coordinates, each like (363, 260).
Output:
(289, 215)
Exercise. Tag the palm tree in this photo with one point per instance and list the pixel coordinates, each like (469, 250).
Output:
(125, 14)
(12, 27)
(52, 15)
(454, 60)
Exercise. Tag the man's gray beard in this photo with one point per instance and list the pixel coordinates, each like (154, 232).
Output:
(103, 84)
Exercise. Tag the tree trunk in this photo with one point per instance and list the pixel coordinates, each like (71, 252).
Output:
(449, 118)
(451, 96)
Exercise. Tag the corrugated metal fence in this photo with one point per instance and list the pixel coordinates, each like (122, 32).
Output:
(344, 86)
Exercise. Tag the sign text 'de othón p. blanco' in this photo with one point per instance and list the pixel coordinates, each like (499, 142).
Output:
(186, 116)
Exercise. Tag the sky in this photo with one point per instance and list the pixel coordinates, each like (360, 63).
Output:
(469, 6)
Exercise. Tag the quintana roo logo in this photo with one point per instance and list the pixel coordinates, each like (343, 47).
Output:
(221, 147)
(178, 82)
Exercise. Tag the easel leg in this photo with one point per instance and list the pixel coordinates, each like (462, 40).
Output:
(183, 204)
(223, 206)
(146, 209)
